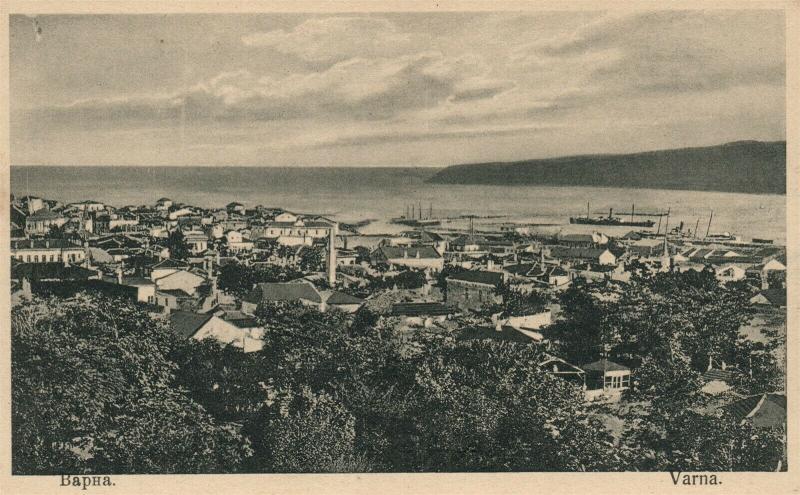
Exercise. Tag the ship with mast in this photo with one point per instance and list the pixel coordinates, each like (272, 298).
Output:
(414, 218)
(611, 220)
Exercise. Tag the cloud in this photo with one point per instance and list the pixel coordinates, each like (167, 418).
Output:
(357, 89)
(665, 52)
(400, 135)
(335, 38)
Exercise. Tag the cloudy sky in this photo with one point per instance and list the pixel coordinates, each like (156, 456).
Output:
(424, 89)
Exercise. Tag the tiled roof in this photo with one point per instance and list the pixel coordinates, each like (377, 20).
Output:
(713, 374)
(175, 293)
(764, 409)
(170, 263)
(186, 324)
(137, 281)
(776, 297)
(397, 252)
(342, 298)
(479, 277)
(421, 308)
(44, 215)
(604, 365)
(580, 253)
(284, 291)
(50, 271)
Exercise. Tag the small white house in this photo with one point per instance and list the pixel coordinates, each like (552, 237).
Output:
(286, 216)
(181, 279)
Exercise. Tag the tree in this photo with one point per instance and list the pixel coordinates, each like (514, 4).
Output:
(312, 259)
(308, 432)
(93, 391)
(176, 242)
(239, 279)
(516, 303)
(579, 336)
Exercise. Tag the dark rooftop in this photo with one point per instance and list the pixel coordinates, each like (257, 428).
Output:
(186, 324)
(604, 365)
(479, 277)
(421, 308)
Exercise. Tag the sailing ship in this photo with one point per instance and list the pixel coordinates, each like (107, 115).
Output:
(614, 221)
(412, 220)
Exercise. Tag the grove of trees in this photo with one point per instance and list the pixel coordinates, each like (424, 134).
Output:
(100, 386)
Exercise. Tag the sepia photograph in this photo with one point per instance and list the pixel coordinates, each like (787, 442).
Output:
(398, 242)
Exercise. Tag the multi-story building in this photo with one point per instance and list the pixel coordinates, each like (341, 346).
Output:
(46, 250)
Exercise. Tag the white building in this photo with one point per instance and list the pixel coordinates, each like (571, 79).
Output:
(46, 250)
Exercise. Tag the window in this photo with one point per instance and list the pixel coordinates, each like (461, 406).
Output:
(616, 382)
(35, 258)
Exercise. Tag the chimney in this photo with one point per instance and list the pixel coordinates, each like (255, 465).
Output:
(332, 255)
(119, 276)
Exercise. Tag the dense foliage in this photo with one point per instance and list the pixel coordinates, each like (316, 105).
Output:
(238, 279)
(101, 386)
(93, 390)
(176, 242)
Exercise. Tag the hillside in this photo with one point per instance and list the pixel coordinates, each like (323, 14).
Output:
(742, 166)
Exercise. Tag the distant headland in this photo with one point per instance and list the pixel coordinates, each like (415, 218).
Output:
(741, 166)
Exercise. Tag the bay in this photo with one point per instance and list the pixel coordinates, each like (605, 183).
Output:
(352, 194)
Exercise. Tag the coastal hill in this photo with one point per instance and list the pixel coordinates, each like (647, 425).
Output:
(742, 166)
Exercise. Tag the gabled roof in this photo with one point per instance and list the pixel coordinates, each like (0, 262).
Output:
(581, 253)
(479, 277)
(137, 281)
(241, 320)
(421, 308)
(767, 410)
(187, 324)
(44, 215)
(284, 291)
(524, 269)
(552, 364)
(776, 297)
(170, 263)
(604, 365)
(431, 237)
(465, 240)
(341, 298)
(397, 252)
(178, 293)
(720, 375)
